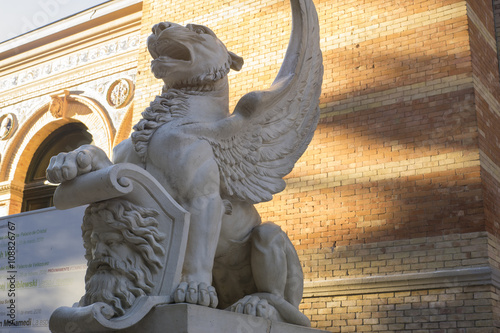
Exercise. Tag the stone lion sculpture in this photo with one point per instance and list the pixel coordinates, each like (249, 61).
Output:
(218, 164)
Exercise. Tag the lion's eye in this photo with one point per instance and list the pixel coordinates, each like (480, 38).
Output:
(157, 28)
(200, 31)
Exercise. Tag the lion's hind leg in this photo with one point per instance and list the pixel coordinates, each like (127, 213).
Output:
(277, 275)
(268, 259)
(275, 265)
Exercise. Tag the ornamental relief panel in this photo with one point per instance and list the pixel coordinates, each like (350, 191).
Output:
(114, 93)
(57, 106)
(120, 93)
(8, 125)
(69, 62)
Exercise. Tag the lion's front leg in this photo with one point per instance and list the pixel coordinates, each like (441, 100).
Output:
(193, 176)
(206, 216)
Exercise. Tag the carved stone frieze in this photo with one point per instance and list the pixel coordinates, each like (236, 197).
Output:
(69, 62)
(95, 89)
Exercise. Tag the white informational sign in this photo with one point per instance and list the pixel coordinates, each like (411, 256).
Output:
(42, 267)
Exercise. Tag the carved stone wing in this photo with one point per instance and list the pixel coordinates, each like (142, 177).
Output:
(269, 130)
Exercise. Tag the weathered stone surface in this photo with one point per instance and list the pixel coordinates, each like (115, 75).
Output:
(188, 318)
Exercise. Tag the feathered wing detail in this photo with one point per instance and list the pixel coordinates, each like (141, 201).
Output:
(269, 130)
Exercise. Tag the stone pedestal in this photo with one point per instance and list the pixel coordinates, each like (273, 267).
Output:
(187, 318)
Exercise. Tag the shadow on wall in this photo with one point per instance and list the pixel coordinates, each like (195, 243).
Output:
(401, 171)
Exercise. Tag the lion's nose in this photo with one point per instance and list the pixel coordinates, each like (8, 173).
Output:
(157, 28)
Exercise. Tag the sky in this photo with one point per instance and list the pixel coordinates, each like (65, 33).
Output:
(20, 16)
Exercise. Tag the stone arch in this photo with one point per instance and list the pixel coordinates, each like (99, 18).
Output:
(37, 128)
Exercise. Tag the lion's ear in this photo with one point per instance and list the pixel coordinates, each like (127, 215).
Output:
(236, 61)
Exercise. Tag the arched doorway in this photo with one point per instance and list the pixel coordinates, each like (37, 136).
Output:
(37, 192)
(32, 133)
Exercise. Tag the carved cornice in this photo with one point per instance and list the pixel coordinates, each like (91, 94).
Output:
(10, 187)
(96, 21)
(474, 276)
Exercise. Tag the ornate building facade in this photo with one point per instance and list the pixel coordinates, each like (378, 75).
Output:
(395, 207)
(77, 74)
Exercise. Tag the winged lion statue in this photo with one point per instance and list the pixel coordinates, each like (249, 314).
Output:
(217, 164)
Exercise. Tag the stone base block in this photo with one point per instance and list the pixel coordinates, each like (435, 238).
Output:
(187, 318)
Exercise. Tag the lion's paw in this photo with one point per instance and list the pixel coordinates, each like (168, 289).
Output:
(84, 159)
(255, 306)
(196, 293)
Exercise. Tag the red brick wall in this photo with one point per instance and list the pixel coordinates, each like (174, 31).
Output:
(402, 173)
(496, 12)
(487, 84)
(407, 170)
(396, 153)
(462, 309)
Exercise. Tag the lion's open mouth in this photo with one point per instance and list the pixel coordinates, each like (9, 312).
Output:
(171, 49)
